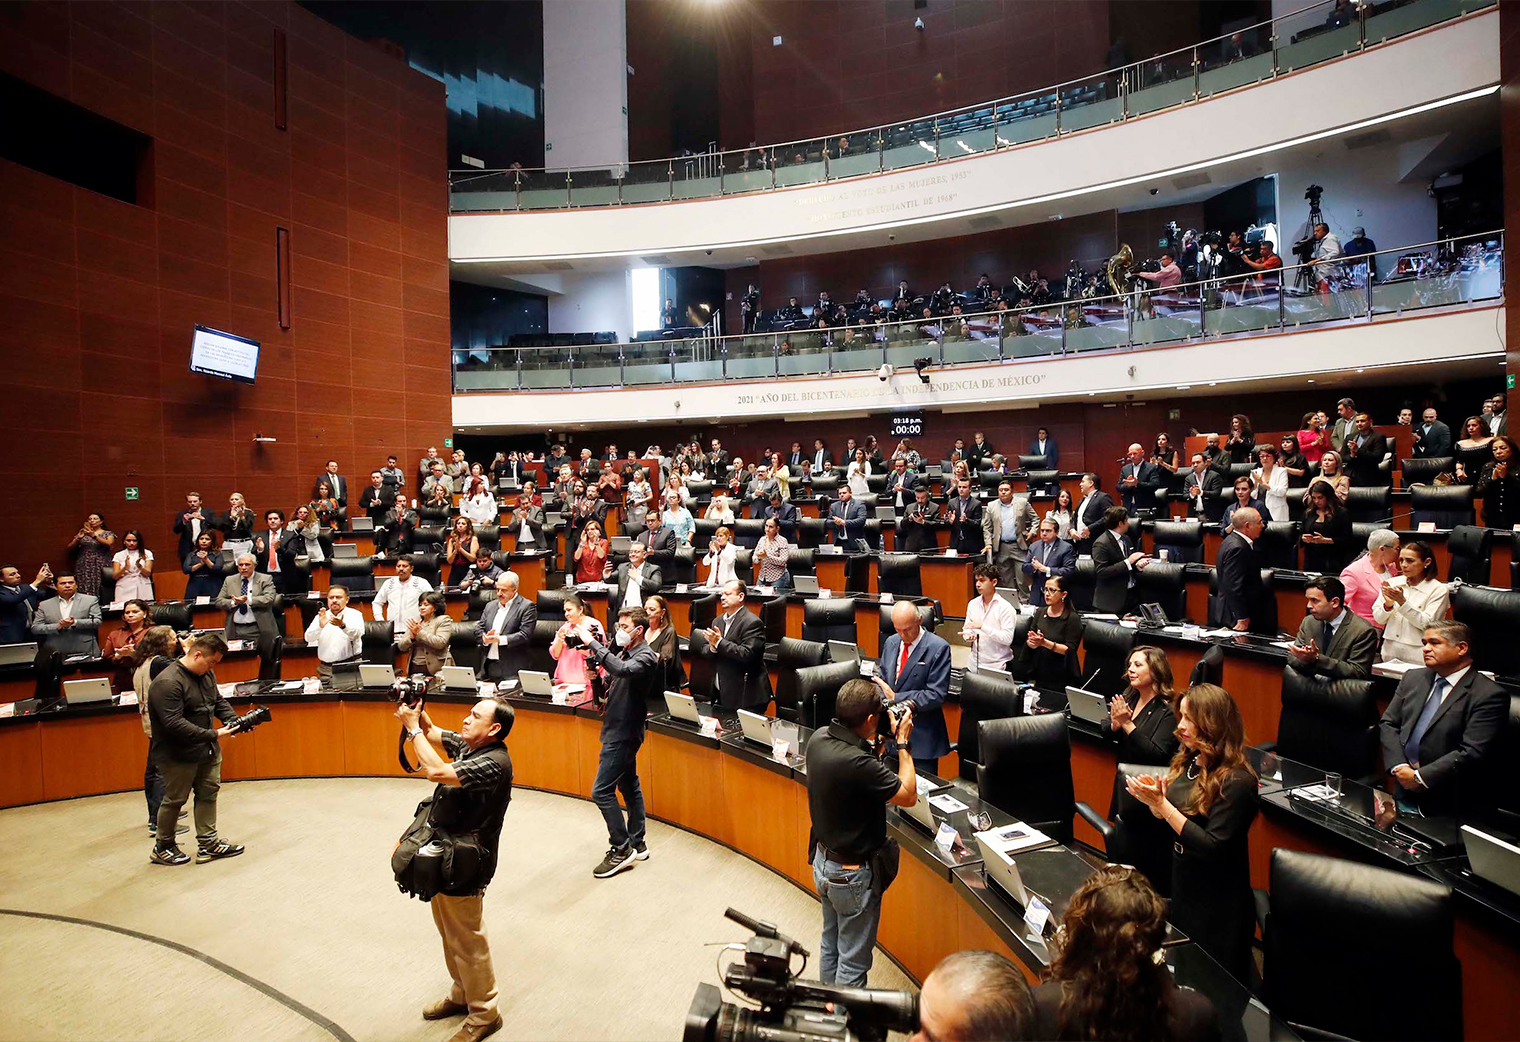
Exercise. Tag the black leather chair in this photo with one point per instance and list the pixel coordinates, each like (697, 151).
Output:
(1105, 656)
(1424, 469)
(683, 568)
(702, 535)
(1472, 554)
(898, 574)
(873, 529)
(1445, 506)
(427, 566)
(271, 654)
(376, 646)
(176, 616)
(1031, 463)
(1370, 504)
(826, 486)
(1046, 479)
(744, 564)
(793, 654)
(425, 537)
(989, 480)
(1331, 725)
(551, 604)
(1135, 836)
(1182, 540)
(928, 618)
(982, 698)
(701, 491)
(1507, 797)
(773, 615)
(812, 532)
(1163, 582)
(826, 619)
(107, 594)
(1316, 903)
(747, 532)
(489, 536)
(818, 690)
(1084, 582)
(355, 574)
(1494, 616)
(801, 562)
(1026, 771)
(857, 573)
(540, 658)
(703, 611)
(464, 646)
(877, 483)
(1209, 669)
(1514, 561)
(1279, 544)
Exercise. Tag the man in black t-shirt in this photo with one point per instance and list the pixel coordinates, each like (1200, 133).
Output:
(849, 788)
(472, 796)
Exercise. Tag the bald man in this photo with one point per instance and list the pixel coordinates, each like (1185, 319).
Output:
(1244, 603)
(974, 997)
(1139, 480)
(915, 668)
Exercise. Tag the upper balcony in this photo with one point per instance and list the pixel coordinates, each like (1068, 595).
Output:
(1069, 149)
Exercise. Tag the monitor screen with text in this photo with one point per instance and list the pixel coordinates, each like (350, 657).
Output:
(230, 357)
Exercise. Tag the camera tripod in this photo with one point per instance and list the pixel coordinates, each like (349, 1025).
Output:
(1305, 281)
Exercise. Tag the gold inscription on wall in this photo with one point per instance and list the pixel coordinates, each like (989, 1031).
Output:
(909, 391)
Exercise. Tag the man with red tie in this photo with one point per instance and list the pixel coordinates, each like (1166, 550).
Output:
(915, 668)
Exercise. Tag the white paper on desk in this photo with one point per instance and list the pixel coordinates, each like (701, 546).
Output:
(1220, 632)
(9, 709)
(485, 689)
(202, 601)
(1008, 840)
(1036, 915)
(1284, 644)
(117, 605)
(1174, 629)
(947, 803)
(127, 698)
(886, 598)
(825, 593)
(226, 689)
(1130, 624)
(952, 552)
(314, 595)
(924, 784)
(1102, 616)
(1394, 669)
(1315, 792)
(291, 685)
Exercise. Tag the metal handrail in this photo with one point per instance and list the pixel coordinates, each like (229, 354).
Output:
(459, 177)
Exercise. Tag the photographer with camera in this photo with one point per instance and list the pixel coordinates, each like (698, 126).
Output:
(448, 854)
(849, 787)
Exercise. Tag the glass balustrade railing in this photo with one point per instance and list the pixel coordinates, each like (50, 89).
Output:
(1312, 35)
(1452, 272)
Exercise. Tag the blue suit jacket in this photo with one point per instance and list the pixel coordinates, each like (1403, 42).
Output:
(1052, 453)
(1062, 561)
(854, 514)
(925, 683)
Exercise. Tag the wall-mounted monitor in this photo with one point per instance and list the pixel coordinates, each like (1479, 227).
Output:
(224, 355)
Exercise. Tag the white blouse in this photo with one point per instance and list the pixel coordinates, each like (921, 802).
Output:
(1404, 624)
(722, 566)
(481, 509)
(856, 476)
(1273, 492)
(714, 513)
(992, 644)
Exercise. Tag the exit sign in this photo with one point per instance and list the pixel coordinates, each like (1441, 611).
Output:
(1509, 381)
(448, 443)
(131, 493)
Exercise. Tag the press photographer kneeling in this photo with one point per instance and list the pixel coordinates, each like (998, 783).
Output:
(448, 854)
(849, 787)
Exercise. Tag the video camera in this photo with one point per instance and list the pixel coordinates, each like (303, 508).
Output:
(249, 720)
(791, 1009)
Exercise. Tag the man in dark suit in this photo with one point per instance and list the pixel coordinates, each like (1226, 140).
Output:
(504, 630)
(787, 516)
(1048, 556)
(641, 574)
(1432, 438)
(337, 482)
(1202, 485)
(736, 642)
(1092, 507)
(1443, 725)
(1139, 480)
(717, 461)
(914, 667)
(821, 461)
(847, 518)
(69, 622)
(1365, 449)
(900, 485)
(916, 527)
(1117, 561)
(190, 523)
(1045, 445)
(964, 512)
(795, 460)
(276, 548)
(979, 455)
(393, 533)
(659, 539)
(1332, 641)
(18, 600)
(377, 497)
(1244, 603)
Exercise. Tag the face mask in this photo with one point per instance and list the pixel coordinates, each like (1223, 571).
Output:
(622, 638)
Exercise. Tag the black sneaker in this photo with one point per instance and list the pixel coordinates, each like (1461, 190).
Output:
(221, 848)
(168, 856)
(615, 861)
(641, 851)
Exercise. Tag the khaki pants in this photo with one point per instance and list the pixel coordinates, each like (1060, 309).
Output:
(461, 925)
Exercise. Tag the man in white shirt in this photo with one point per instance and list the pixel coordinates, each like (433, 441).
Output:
(337, 631)
(68, 622)
(990, 622)
(1327, 255)
(398, 597)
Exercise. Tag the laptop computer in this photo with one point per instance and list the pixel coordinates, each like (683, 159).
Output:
(618, 544)
(921, 814)
(553, 518)
(843, 651)
(18, 654)
(81, 692)
(1002, 871)
(458, 678)
(376, 675)
(886, 513)
(361, 524)
(805, 583)
(539, 684)
(1087, 705)
(682, 707)
(1009, 594)
(757, 727)
(345, 550)
(1492, 859)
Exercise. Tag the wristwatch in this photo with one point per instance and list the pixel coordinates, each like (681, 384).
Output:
(413, 733)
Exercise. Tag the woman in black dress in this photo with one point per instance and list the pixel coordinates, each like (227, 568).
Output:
(1293, 459)
(1327, 532)
(1143, 720)
(1241, 444)
(1048, 656)
(1498, 485)
(661, 636)
(1164, 455)
(1208, 798)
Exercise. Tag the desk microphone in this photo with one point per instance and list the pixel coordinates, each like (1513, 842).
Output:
(1086, 685)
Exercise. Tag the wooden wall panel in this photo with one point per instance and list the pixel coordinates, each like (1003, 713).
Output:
(100, 295)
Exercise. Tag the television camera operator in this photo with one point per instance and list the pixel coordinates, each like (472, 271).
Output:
(448, 855)
(849, 787)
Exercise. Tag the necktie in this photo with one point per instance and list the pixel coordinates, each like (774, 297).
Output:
(902, 663)
(1327, 634)
(273, 564)
(244, 611)
(1433, 703)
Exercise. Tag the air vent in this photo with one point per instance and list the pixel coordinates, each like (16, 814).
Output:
(559, 266)
(1372, 137)
(657, 262)
(1191, 180)
(984, 223)
(777, 249)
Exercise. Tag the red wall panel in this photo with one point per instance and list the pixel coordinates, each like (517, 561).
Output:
(100, 296)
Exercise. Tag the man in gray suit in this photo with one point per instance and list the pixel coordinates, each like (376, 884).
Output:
(1332, 641)
(637, 577)
(247, 598)
(1006, 524)
(504, 629)
(68, 623)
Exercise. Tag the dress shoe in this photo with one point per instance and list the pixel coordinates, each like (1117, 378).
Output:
(473, 1033)
(443, 1009)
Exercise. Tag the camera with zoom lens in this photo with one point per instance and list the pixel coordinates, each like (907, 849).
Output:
(249, 720)
(791, 1009)
(891, 717)
(409, 691)
(574, 640)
